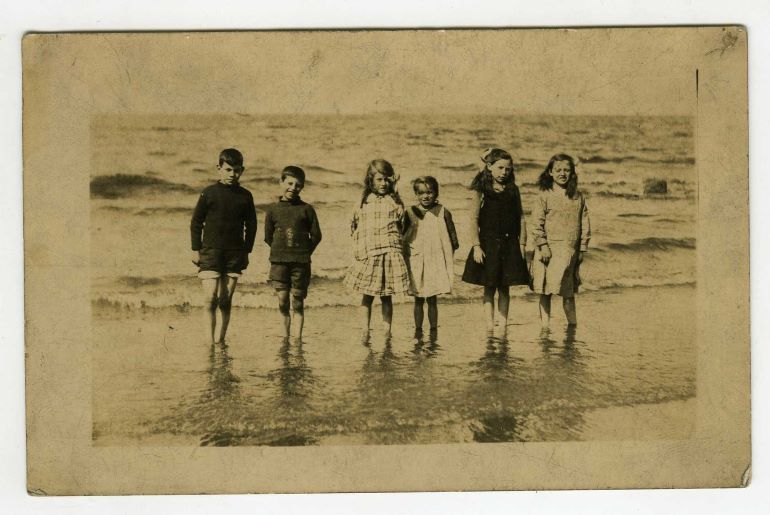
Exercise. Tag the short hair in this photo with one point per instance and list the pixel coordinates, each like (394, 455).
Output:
(293, 171)
(426, 180)
(231, 156)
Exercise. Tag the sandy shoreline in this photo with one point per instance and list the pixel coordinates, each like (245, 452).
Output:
(625, 373)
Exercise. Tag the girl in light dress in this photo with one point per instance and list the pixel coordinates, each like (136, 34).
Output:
(379, 268)
(561, 231)
(499, 236)
(430, 240)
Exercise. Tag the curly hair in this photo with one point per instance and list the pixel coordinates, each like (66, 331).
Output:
(545, 181)
(386, 169)
(483, 180)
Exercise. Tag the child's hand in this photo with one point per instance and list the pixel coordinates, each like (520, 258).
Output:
(196, 257)
(545, 254)
(478, 254)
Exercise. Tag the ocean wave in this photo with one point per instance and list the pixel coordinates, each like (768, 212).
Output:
(634, 215)
(264, 297)
(637, 159)
(653, 243)
(151, 211)
(316, 168)
(463, 168)
(126, 185)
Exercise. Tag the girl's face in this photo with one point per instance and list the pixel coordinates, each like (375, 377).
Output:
(561, 173)
(380, 184)
(501, 170)
(425, 195)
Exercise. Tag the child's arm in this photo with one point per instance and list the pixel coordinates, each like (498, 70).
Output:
(250, 224)
(315, 229)
(478, 254)
(269, 227)
(538, 231)
(196, 226)
(354, 222)
(450, 228)
(522, 222)
(585, 228)
(402, 217)
(474, 211)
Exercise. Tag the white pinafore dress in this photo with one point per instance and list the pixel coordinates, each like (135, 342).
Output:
(429, 254)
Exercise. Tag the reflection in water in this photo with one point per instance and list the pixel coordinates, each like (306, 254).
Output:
(407, 391)
(220, 399)
(533, 402)
(501, 375)
(427, 347)
(291, 409)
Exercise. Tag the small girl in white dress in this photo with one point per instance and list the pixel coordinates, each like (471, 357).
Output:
(430, 240)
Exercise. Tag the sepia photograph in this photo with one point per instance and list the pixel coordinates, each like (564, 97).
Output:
(424, 243)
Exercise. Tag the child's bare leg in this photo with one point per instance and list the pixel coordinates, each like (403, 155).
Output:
(419, 314)
(545, 311)
(298, 310)
(433, 312)
(387, 312)
(570, 310)
(489, 308)
(226, 290)
(503, 303)
(366, 312)
(284, 307)
(211, 301)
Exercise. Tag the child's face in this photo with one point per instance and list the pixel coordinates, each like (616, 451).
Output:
(380, 183)
(291, 187)
(425, 195)
(561, 173)
(229, 174)
(501, 170)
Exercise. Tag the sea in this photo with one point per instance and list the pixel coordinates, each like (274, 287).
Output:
(627, 372)
(148, 170)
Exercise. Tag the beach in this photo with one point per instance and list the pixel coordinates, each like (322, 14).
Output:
(623, 373)
(627, 372)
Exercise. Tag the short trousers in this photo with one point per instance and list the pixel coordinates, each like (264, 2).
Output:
(291, 276)
(217, 262)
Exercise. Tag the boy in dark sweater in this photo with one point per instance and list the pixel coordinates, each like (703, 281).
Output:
(293, 233)
(227, 219)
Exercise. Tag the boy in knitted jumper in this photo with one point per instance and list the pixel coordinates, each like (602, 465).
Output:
(293, 233)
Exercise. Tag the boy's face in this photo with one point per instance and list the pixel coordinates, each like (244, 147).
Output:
(291, 187)
(425, 195)
(229, 174)
(561, 173)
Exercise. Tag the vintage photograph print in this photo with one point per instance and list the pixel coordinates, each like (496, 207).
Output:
(463, 249)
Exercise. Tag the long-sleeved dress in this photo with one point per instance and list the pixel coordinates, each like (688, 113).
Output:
(499, 219)
(561, 223)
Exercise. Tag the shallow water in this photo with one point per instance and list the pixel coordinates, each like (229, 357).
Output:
(147, 173)
(155, 381)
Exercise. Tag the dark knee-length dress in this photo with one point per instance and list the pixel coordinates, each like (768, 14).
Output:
(499, 226)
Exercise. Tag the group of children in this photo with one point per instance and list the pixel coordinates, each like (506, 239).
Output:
(397, 250)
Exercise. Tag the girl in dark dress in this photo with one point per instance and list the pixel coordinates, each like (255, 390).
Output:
(496, 258)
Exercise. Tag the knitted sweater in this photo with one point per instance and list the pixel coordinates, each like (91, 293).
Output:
(226, 217)
(292, 231)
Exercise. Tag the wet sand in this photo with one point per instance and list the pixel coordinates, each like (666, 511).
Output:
(626, 372)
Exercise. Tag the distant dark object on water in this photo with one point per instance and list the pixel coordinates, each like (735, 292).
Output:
(655, 186)
(125, 185)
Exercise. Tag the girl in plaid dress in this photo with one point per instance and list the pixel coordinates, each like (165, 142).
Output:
(379, 269)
